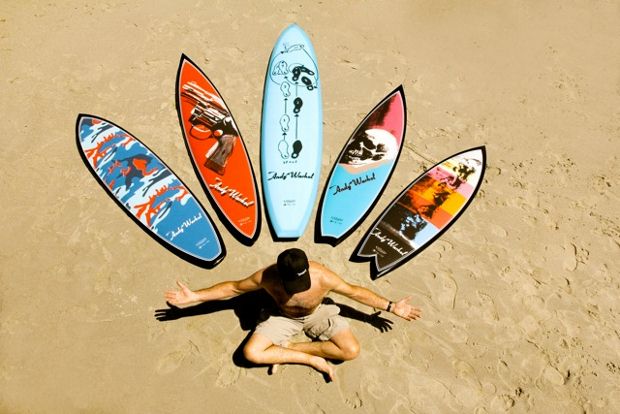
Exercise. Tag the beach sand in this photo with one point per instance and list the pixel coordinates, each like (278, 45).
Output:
(520, 296)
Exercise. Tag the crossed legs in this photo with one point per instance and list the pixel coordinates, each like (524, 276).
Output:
(342, 346)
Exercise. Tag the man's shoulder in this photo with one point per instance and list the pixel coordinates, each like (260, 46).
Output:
(318, 267)
(312, 263)
(326, 275)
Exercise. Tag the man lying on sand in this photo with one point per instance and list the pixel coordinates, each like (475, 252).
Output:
(298, 288)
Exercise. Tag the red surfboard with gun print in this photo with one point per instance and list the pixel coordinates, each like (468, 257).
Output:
(218, 153)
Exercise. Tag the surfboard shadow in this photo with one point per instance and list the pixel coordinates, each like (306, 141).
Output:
(318, 237)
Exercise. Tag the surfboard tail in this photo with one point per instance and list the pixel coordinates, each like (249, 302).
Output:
(422, 212)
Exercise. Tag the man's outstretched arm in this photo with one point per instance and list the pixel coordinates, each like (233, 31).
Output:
(367, 297)
(224, 290)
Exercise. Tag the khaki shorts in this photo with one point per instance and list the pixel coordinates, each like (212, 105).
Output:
(322, 324)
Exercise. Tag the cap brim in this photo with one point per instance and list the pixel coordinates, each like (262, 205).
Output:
(297, 285)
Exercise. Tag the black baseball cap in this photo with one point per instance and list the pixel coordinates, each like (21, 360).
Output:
(293, 268)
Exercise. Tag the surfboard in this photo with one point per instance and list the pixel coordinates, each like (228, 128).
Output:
(148, 191)
(363, 169)
(218, 153)
(422, 212)
(291, 134)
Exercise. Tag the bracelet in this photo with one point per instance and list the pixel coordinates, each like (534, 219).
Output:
(389, 308)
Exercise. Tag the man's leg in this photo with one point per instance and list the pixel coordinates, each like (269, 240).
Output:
(342, 346)
(260, 350)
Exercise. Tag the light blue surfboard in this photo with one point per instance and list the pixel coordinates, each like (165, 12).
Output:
(363, 169)
(148, 191)
(291, 134)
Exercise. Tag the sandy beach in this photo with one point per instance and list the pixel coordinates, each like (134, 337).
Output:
(520, 296)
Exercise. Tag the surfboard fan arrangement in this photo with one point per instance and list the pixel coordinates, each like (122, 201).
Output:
(291, 134)
(422, 212)
(291, 145)
(362, 169)
(218, 152)
(148, 191)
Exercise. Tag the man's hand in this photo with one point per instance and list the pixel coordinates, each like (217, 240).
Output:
(183, 296)
(403, 309)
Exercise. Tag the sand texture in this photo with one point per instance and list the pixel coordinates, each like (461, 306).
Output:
(520, 296)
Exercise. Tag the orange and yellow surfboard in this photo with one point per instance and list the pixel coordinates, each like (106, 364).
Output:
(422, 212)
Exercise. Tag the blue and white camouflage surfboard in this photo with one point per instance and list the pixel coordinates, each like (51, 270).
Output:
(149, 191)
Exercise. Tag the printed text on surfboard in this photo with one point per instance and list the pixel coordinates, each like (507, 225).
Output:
(292, 174)
(231, 192)
(347, 186)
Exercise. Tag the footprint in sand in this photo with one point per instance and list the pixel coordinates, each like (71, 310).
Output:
(502, 403)
(444, 289)
(373, 387)
(529, 326)
(354, 401)
(227, 375)
(552, 375)
(568, 85)
(503, 371)
(574, 256)
(613, 368)
(536, 306)
(467, 373)
(170, 362)
(488, 308)
(457, 334)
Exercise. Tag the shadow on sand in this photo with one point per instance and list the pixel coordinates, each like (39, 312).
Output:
(248, 308)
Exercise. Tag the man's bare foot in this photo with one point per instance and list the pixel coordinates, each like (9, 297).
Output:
(274, 368)
(320, 364)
